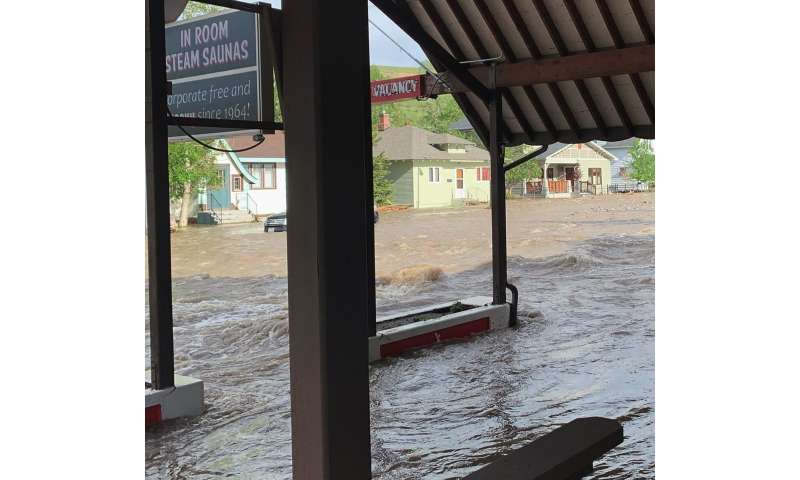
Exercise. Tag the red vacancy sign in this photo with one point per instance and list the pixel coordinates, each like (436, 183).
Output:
(395, 89)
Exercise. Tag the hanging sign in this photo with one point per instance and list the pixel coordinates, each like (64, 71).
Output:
(394, 89)
(212, 62)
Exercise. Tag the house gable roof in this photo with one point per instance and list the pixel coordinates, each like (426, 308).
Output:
(414, 143)
(555, 148)
(627, 143)
(272, 147)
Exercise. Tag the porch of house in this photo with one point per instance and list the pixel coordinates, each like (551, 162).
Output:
(560, 180)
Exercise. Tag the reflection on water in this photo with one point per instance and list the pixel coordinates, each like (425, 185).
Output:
(584, 347)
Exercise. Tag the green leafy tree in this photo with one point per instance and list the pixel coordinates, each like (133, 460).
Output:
(381, 186)
(527, 171)
(440, 113)
(643, 165)
(195, 9)
(191, 167)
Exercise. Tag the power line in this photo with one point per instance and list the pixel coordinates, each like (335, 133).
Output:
(438, 77)
(412, 57)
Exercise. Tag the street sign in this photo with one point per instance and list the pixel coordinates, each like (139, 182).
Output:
(213, 64)
(394, 89)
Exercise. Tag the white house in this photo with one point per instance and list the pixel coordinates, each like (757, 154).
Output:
(569, 170)
(253, 182)
(621, 166)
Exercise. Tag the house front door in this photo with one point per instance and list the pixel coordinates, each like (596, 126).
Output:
(221, 196)
(569, 175)
(460, 183)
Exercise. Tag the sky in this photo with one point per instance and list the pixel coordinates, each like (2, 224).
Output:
(381, 50)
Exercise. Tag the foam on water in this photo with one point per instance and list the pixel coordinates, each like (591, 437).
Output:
(412, 275)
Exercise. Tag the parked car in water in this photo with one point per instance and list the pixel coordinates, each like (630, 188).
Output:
(277, 222)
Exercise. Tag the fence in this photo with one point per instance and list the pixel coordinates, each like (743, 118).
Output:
(593, 189)
(628, 187)
(557, 186)
(533, 188)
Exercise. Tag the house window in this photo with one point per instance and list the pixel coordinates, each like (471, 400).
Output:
(236, 181)
(433, 174)
(623, 171)
(265, 175)
(483, 173)
(550, 173)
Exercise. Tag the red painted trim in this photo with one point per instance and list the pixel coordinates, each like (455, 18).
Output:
(152, 414)
(423, 340)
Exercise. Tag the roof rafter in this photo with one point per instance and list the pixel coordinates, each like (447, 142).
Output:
(456, 30)
(641, 19)
(462, 100)
(438, 25)
(505, 48)
(476, 44)
(619, 42)
(608, 85)
(555, 36)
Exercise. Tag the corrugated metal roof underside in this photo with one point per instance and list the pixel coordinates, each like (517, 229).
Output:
(610, 108)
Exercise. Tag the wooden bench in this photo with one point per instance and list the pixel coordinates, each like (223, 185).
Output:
(566, 453)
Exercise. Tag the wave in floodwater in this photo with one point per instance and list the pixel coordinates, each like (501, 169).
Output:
(584, 347)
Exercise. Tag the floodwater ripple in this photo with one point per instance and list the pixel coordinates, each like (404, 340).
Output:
(584, 347)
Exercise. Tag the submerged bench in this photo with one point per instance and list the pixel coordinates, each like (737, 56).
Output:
(566, 453)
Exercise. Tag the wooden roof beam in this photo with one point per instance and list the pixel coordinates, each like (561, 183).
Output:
(604, 63)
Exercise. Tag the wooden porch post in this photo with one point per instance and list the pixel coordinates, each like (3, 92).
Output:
(544, 181)
(328, 159)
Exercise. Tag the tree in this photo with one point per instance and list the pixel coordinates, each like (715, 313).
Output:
(195, 9)
(643, 166)
(191, 167)
(381, 186)
(440, 113)
(527, 171)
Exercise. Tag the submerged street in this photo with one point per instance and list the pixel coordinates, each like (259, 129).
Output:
(453, 239)
(584, 345)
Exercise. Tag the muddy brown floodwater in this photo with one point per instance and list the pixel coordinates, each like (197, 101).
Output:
(584, 345)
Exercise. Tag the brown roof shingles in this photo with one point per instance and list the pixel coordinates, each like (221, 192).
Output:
(273, 146)
(414, 143)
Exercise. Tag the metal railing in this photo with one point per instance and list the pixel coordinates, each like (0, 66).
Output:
(248, 199)
(211, 200)
(593, 188)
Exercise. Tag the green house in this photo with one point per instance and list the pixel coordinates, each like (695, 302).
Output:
(433, 169)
